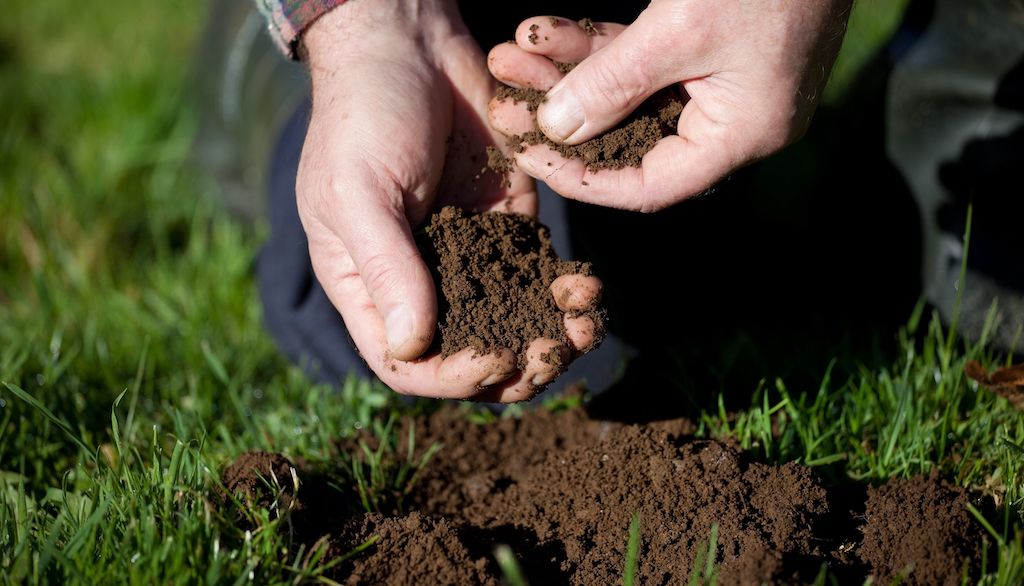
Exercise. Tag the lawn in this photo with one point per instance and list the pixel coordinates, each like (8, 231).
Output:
(134, 366)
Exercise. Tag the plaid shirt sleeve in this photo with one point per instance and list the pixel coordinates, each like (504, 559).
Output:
(286, 19)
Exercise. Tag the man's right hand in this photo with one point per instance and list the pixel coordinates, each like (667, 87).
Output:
(752, 71)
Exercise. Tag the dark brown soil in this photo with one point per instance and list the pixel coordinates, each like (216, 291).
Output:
(565, 67)
(432, 551)
(623, 146)
(260, 480)
(533, 33)
(561, 488)
(494, 272)
(918, 532)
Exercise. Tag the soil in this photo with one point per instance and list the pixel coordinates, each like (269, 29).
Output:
(560, 490)
(494, 272)
(260, 480)
(533, 33)
(623, 146)
(588, 27)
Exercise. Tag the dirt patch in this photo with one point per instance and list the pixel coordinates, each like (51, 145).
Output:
(919, 531)
(408, 550)
(494, 273)
(623, 146)
(561, 488)
(260, 480)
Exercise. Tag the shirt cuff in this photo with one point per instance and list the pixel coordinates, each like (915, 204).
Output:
(287, 19)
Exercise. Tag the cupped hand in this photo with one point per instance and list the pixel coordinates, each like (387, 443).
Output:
(752, 73)
(398, 128)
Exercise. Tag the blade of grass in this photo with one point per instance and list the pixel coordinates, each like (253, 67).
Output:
(632, 551)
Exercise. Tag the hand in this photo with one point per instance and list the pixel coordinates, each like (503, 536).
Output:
(753, 73)
(398, 129)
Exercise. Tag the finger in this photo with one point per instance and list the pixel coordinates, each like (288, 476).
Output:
(576, 292)
(460, 376)
(611, 83)
(518, 68)
(545, 360)
(376, 235)
(515, 390)
(582, 332)
(509, 117)
(562, 39)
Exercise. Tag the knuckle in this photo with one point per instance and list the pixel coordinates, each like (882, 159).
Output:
(382, 273)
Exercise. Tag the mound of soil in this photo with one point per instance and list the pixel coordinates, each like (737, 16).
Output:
(260, 480)
(494, 273)
(561, 488)
(427, 549)
(622, 146)
(918, 532)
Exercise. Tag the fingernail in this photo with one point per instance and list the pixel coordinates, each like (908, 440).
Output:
(561, 115)
(399, 326)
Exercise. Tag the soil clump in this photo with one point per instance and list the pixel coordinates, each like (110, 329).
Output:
(560, 489)
(621, 147)
(259, 480)
(494, 272)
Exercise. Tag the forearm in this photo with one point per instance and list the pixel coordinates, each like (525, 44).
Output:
(288, 21)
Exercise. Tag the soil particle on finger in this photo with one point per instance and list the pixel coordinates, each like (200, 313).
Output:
(494, 273)
(533, 34)
(554, 21)
(621, 147)
(588, 27)
(532, 97)
(919, 531)
(565, 67)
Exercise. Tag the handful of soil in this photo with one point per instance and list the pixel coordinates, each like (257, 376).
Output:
(494, 272)
(623, 146)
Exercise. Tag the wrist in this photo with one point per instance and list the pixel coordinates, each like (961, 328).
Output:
(367, 26)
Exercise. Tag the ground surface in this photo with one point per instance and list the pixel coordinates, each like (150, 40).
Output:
(135, 369)
(562, 488)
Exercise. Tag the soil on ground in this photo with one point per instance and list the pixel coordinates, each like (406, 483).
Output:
(494, 272)
(561, 488)
(622, 146)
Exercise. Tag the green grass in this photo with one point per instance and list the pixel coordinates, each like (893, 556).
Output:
(134, 364)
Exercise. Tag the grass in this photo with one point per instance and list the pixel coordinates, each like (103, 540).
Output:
(134, 364)
(632, 552)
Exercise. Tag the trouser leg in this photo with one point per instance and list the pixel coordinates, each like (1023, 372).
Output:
(955, 120)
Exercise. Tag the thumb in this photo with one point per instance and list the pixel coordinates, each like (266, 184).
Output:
(607, 86)
(377, 236)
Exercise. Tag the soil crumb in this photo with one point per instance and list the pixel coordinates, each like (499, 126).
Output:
(588, 27)
(623, 146)
(533, 34)
(494, 272)
(560, 488)
(532, 97)
(919, 531)
(565, 67)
